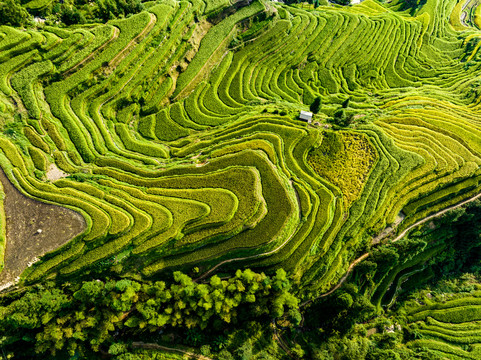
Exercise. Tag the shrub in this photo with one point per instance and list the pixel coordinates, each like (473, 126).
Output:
(12, 13)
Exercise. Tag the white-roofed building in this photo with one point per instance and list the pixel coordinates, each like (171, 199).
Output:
(306, 115)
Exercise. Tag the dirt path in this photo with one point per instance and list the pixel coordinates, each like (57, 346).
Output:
(280, 341)
(389, 230)
(439, 213)
(54, 173)
(339, 284)
(142, 345)
(247, 257)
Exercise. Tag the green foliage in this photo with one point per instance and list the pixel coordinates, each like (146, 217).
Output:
(345, 159)
(38, 158)
(65, 319)
(215, 5)
(342, 118)
(316, 105)
(71, 15)
(228, 176)
(23, 81)
(110, 9)
(36, 140)
(12, 13)
(245, 351)
(166, 129)
(212, 41)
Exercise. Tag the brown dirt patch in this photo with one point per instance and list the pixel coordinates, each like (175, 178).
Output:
(54, 173)
(24, 218)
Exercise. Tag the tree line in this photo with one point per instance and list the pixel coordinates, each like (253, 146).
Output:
(69, 12)
(96, 316)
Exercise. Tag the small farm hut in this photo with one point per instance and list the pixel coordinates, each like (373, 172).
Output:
(306, 116)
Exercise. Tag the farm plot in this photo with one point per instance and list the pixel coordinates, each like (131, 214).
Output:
(180, 143)
(31, 229)
(449, 329)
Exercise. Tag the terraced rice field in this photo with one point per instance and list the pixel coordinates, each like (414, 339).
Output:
(448, 329)
(182, 151)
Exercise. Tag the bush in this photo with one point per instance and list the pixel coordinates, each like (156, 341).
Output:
(70, 15)
(12, 13)
(341, 118)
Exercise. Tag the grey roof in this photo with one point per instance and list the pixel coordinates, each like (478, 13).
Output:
(305, 115)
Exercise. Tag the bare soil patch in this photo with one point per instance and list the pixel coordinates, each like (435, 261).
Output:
(33, 229)
(54, 173)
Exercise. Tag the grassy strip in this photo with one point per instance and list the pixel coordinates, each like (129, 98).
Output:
(138, 146)
(38, 158)
(120, 220)
(10, 66)
(23, 80)
(35, 139)
(166, 129)
(271, 230)
(211, 42)
(43, 268)
(443, 350)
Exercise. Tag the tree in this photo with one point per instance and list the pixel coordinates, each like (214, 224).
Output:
(194, 337)
(12, 13)
(225, 355)
(131, 6)
(385, 257)
(90, 291)
(345, 300)
(109, 9)
(342, 2)
(295, 316)
(124, 294)
(298, 351)
(345, 103)
(245, 351)
(316, 105)
(89, 317)
(341, 118)
(70, 15)
(117, 348)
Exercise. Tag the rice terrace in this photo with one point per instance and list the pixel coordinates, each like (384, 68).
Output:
(252, 179)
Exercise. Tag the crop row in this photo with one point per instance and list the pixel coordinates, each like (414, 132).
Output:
(179, 177)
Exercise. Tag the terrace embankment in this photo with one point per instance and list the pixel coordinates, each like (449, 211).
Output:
(33, 229)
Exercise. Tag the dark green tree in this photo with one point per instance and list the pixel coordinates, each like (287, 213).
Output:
(12, 13)
(341, 118)
(70, 15)
(316, 105)
(342, 2)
